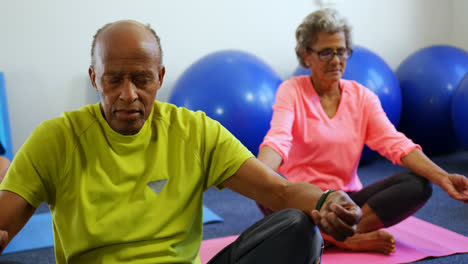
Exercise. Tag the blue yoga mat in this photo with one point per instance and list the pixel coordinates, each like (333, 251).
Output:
(210, 217)
(37, 233)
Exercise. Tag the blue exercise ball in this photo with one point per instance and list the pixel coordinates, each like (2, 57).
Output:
(428, 80)
(233, 87)
(370, 70)
(460, 112)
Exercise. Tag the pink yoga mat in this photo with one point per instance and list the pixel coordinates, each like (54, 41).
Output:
(415, 239)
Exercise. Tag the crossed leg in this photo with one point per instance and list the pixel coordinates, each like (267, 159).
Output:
(368, 237)
(383, 204)
(287, 236)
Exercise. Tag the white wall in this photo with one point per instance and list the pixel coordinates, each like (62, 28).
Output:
(460, 24)
(45, 45)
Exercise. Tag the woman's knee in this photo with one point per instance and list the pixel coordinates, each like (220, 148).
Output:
(421, 188)
(424, 186)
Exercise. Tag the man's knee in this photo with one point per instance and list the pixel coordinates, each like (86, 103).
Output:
(302, 230)
(289, 224)
(286, 236)
(296, 220)
(299, 226)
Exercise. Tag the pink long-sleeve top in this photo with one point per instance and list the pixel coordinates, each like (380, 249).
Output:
(326, 151)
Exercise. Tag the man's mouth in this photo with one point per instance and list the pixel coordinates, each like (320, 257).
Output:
(128, 113)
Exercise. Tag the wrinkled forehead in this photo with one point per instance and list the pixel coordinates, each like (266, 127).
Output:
(126, 41)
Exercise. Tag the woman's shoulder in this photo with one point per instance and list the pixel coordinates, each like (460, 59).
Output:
(355, 88)
(295, 83)
(298, 80)
(352, 85)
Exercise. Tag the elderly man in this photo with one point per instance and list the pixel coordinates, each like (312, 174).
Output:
(124, 178)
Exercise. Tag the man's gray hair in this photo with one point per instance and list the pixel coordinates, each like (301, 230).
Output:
(324, 20)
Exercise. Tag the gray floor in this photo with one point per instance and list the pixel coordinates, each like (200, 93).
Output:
(239, 212)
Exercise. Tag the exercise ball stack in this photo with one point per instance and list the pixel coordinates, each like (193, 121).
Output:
(370, 70)
(428, 80)
(233, 87)
(460, 112)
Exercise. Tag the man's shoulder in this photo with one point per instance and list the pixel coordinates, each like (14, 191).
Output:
(74, 120)
(180, 120)
(173, 114)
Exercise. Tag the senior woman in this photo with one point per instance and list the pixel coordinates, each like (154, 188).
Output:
(4, 163)
(320, 124)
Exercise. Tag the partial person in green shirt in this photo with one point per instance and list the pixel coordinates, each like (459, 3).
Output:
(124, 178)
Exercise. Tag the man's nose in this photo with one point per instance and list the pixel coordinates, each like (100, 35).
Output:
(128, 91)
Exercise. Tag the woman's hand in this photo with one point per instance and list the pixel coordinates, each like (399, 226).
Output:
(456, 186)
(338, 216)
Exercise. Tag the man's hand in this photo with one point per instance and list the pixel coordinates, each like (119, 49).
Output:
(3, 240)
(456, 186)
(338, 216)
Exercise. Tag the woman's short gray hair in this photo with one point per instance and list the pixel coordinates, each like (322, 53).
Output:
(324, 20)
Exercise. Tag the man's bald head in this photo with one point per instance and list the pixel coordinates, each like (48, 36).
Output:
(128, 25)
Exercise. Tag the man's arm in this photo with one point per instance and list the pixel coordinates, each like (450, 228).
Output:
(14, 213)
(338, 216)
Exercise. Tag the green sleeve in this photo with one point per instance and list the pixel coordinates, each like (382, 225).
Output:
(223, 154)
(34, 171)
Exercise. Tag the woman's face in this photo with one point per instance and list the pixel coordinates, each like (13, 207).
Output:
(326, 72)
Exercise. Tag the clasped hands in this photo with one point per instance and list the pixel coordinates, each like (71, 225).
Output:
(338, 216)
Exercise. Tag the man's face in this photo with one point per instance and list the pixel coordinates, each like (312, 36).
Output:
(127, 75)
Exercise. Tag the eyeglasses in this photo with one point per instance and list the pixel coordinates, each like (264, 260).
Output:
(327, 55)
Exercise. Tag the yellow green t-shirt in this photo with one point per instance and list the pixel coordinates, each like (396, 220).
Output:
(125, 199)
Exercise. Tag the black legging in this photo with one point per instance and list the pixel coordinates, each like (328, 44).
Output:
(392, 199)
(287, 236)
(395, 198)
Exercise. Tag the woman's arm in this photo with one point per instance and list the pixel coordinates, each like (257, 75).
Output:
(4, 165)
(270, 157)
(454, 185)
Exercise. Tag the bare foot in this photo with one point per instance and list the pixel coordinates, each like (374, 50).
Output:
(375, 241)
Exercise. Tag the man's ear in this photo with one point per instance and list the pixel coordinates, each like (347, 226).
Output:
(92, 77)
(161, 73)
